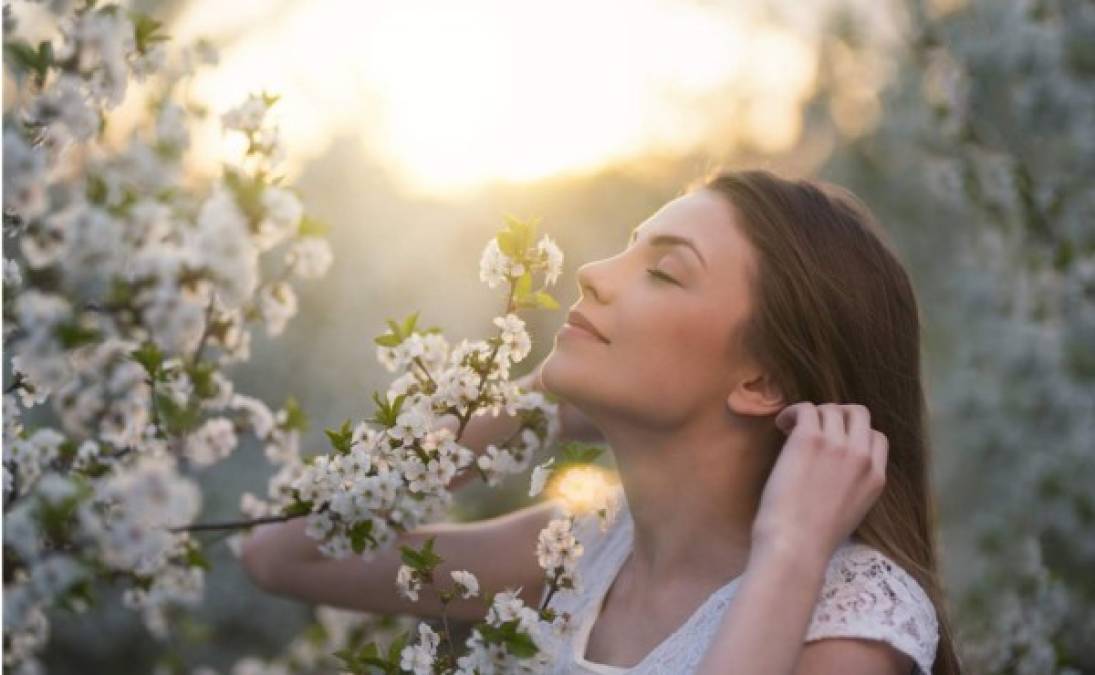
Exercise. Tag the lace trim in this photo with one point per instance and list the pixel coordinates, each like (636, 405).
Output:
(869, 596)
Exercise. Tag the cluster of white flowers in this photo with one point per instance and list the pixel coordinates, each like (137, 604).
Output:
(308, 653)
(403, 470)
(485, 657)
(497, 268)
(419, 658)
(558, 551)
(309, 257)
(466, 582)
(213, 441)
(247, 116)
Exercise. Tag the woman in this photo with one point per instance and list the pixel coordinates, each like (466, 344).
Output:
(697, 352)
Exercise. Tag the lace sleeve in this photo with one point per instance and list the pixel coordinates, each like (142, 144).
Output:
(867, 595)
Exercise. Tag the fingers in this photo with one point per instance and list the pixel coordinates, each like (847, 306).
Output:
(880, 453)
(832, 424)
(802, 415)
(858, 420)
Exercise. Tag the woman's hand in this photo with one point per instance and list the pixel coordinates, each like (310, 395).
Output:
(829, 473)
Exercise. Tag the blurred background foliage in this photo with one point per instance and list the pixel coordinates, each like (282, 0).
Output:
(968, 126)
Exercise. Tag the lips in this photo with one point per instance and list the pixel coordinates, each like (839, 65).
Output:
(576, 318)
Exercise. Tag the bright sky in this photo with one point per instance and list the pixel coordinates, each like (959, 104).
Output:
(452, 95)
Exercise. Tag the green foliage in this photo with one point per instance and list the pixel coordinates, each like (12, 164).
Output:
(71, 334)
(577, 452)
(201, 375)
(341, 438)
(312, 227)
(177, 419)
(518, 237)
(295, 417)
(149, 356)
(387, 412)
(361, 533)
(146, 31)
(248, 193)
(25, 58)
(299, 508)
(422, 560)
(509, 634)
(194, 556)
(369, 660)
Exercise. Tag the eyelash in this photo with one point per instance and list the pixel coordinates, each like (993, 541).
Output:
(660, 275)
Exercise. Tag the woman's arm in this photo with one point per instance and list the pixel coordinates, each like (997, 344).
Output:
(829, 472)
(763, 629)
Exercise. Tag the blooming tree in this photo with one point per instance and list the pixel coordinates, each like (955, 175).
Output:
(127, 291)
(987, 143)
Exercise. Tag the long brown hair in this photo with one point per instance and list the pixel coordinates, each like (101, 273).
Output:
(822, 255)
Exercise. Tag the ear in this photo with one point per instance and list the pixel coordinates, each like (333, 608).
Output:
(756, 395)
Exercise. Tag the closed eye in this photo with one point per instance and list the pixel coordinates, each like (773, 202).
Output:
(661, 276)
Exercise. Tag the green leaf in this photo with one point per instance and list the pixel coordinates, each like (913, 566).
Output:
(269, 99)
(395, 328)
(248, 192)
(67, 449)
(201, 374)
(383, 415)
(179, 419)
(25, 57)
(576, 452)
(72, 335)
(387, 340)
(295, 417)
(397, 646)
(523, 288)
(408, 325)
(195, 558)
(424, 560)
(524, 232)
(509, 244)
(149, 356)
(521, 645)
(312, 227)
(397, 405)
(298, 508)
(341, 438)
(361, 533)
(545, 300)
(146, 31)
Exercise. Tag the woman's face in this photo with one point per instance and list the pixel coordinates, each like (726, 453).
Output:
(667, 305)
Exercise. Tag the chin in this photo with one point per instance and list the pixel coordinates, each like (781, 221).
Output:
(569, 377)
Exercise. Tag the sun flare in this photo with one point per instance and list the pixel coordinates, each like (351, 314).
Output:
(454, 96)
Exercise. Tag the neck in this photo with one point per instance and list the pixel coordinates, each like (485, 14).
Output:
(692, 492)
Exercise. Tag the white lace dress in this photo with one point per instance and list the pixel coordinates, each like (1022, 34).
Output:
(865, 595)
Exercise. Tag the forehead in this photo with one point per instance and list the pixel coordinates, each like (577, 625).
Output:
(710, 221)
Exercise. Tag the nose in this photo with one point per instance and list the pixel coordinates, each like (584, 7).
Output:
(590, 280)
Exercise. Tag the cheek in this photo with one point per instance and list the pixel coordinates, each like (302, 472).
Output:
(682, 350)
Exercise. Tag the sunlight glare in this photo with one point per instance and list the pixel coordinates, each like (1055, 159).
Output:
(454, 96)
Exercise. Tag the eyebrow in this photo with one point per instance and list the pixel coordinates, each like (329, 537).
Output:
(670, 240)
